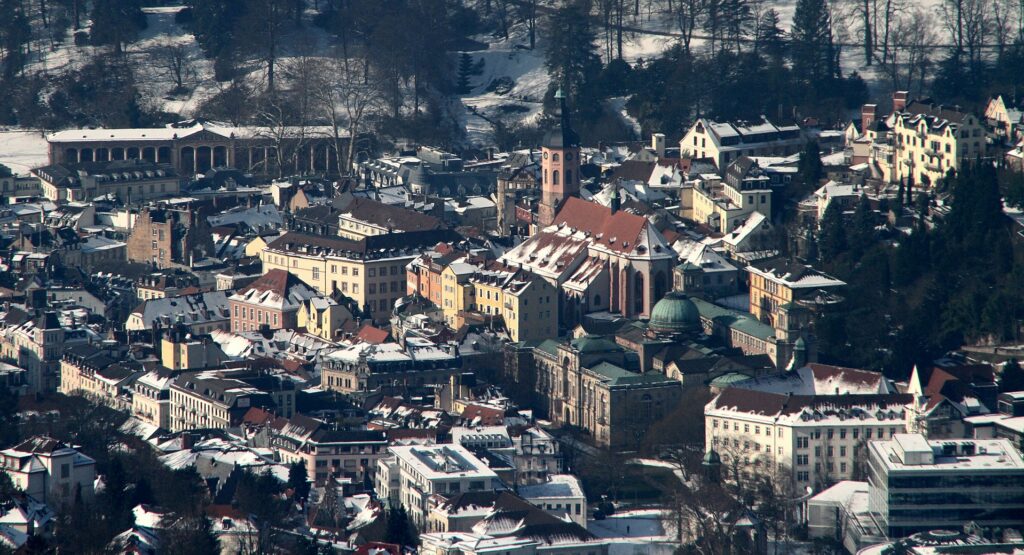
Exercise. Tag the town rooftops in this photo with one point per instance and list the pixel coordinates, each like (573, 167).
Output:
(443, 461)
(794, 275)
(394, 218)
(276, 289)
(389, 245)
(812, 410)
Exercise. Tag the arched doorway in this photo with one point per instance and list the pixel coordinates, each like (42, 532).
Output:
(102, 155)
(149, 153)
(163, 155)
(203, 159)
(85, 155)
(71, 155)
(117, 153)
(187, 159)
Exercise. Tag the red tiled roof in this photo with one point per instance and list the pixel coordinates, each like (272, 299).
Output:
(614, 231)
(275, 280)
(372, 335)
(489, 416)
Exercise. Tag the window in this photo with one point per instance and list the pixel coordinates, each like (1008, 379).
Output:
(830, 433)
(801, 443)
(746, 428)
(372, 272)
(316, 274)
(856, 432)
(842, 450)
(842, 433)
(801, 460)
(554, 157)
(554, 178)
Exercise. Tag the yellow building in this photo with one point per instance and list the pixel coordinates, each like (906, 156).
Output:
(456, 291)
(527, 303)
(773, 285)
(930, 140)
(724, 205)
(364, 217)
(370, 271)
(323, 317)
(180, 352)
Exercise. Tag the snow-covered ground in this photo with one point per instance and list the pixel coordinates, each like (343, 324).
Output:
(635, 524)
(22, 150)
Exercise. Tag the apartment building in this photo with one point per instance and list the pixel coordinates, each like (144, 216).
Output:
(328, 453)
(365, 367)
(207, 400)
(561, 495)
(725, 142)
(38, 343)
(917, 485)
(725, 204)
(371, 271)
(93, 373)
(930, 140)
(272, 301)
(527, 303)
(128, 180)
(364, 217)
(815, 440)
(201, 313)
(151, 398)
(423, 472)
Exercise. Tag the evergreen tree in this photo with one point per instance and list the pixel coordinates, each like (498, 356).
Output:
(862, 227)
(832, 240)
(811, 47)
(298, 480)
(571, 57)
(116, 22)
(1011, 378)
(810, 167)
(400, 529)
(189, 535)
(900, 194)
(770, 38)
(464, 72)
(15, 33)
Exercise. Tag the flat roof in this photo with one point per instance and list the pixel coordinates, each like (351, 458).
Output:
(989, 455)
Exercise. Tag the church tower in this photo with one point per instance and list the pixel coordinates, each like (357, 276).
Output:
(560, 164)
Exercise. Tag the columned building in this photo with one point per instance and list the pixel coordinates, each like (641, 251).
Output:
(196, 146)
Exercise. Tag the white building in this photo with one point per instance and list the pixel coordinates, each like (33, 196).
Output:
(725, 142)
(49, 471)
(425, 471)
(812, 424)
(562, 495)
(919, 485)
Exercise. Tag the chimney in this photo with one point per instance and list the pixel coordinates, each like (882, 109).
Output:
(899, 101)
(867, 116)
(658, 144)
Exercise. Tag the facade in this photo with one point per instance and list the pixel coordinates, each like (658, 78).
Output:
(560, 166)
(272, 301)
(328, 453)
(365, 367)
(584, 383)
(774, 286)
(726, 142)
(930, 140)
(92, 373)
(128, 180)
(527, 303)
(1006, 121)
(197, 146)
(151, 398)
(205, 400)
(370, 271)
(919, 485)
(49, 471)
(425, 471)
(164, 237)
(37, 345)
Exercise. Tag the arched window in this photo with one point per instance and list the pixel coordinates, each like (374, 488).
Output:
(554, 177)
(568, 177)
(568, 156)
(554, 157)
(545, 177)
(597, 300)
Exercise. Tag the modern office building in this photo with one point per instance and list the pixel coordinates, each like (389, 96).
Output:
(919, 485)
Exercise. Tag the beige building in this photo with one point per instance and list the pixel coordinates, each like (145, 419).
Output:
(527, 304)
(91, 373)
(151, 398)
(38, 344)
(774, 285)
(323, 317)
(364, 217)
(931, 140)
(724, 205)
(207, 400)
(371, 271)
(328, 453)
(365, 367)
(584, 383)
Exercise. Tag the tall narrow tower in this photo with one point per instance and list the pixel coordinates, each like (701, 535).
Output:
(560, 163)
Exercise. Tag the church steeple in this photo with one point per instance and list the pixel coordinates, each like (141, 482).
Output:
(560, 177)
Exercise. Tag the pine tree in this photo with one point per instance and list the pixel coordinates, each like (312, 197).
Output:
(571, 58)
(810, 167)
(832, 237)
(812, 49)
(116, 22)
(900, 194)
(1012, 377)
(465, 70)
(298, 480)
(15, 33)
(862, 227)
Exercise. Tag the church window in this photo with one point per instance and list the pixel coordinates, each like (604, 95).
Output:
(554, 177)
(554, 157)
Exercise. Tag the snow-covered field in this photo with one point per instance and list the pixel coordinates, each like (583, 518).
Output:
(22, 150)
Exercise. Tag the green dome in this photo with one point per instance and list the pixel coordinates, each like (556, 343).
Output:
(675, 313)
(711, 457)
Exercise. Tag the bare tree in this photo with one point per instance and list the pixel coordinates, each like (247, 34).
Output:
(907, 64)
(174, 62)
(687, 15)
(348, 102)
(710, 516)
(528, 12)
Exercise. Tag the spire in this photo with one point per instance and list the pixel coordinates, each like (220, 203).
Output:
(563, 135)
